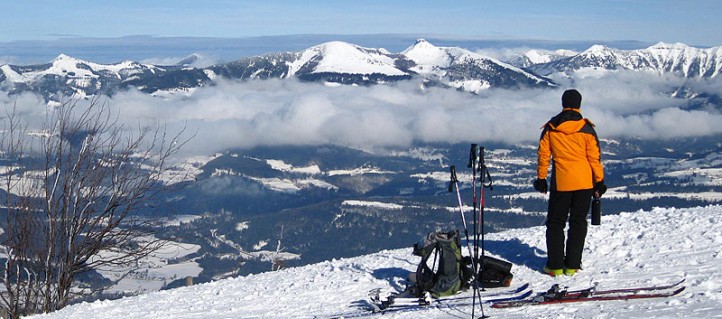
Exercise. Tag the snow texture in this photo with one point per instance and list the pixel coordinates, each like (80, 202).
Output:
(639, 248)
(342, 57)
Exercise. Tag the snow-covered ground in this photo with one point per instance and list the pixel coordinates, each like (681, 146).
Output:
(153, 272)
(632, 249)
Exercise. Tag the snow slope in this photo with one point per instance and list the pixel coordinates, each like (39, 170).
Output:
(631, 249)
(75, 69)
(342, 57)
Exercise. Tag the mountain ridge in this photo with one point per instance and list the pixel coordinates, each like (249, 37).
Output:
(345, 63)
(662, 58)
(334, 61)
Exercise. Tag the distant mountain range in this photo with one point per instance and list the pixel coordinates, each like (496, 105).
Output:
(534, 57)
(344, 63)
(662, 58)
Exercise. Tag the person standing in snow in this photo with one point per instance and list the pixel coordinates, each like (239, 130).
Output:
(569, 142)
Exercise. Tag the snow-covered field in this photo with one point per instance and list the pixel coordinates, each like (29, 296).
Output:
(631, 249)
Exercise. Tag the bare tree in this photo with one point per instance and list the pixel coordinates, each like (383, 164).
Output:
(279, 258)
(71, 190)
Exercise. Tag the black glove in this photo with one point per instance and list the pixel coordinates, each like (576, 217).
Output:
(540, 184)
(600, 189)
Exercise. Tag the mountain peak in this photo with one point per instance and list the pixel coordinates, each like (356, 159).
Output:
(335, 45)
(64, 63)
(665, 45)
(64, 57)
(597, 49)
(423, 52)
(421, 43)
(189, 60)
(341, 48)
(347, 58)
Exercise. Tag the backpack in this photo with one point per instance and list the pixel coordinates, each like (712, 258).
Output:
(440, 270)
(495, 273)
(443, 271)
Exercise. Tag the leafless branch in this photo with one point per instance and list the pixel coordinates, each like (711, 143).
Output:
(75, 212)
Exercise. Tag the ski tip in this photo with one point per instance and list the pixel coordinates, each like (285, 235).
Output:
(675, 284)
(679, 290)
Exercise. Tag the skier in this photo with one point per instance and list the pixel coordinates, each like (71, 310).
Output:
(577, 174)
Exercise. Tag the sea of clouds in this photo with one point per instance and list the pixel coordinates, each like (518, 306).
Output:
(244, 114)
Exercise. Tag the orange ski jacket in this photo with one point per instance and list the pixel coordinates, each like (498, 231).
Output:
(570, 143)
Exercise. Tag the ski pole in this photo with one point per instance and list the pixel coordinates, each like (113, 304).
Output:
(484, 175)
(472, 165)
(475, 255)
(455, 184)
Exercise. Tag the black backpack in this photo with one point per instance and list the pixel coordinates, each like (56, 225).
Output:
(495, 273)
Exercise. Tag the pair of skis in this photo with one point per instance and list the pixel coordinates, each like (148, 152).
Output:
(382, 303)
(518, 297)
(557, 295)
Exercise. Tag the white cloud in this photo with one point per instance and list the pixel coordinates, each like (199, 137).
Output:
(233, 114)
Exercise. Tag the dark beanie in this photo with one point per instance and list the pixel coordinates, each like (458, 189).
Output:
(571, 99)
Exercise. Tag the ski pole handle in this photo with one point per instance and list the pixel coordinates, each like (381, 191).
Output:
(453, 178)
(472, 156)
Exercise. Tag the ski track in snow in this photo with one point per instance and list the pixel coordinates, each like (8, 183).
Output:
(631, 249)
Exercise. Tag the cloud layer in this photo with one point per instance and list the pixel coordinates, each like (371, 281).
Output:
(280, 112)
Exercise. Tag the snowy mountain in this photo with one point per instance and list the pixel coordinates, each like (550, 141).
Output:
(68, 76)
(677, 59)
(533, 57)
(642, 248)
(335, 62)
(331, 62)
(466, 70)
(346, 58)
(345, 63)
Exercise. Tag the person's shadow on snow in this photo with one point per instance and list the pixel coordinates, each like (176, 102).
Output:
(517, 252)
(397, 277)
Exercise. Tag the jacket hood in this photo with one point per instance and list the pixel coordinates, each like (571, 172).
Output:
(569, 127)
(568, 121)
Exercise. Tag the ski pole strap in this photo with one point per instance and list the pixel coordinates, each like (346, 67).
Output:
(490, 185)
(484, 171)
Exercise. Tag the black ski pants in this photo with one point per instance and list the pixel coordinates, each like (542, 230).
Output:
(573, 206)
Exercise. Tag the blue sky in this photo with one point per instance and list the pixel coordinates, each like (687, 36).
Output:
(694, 22)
